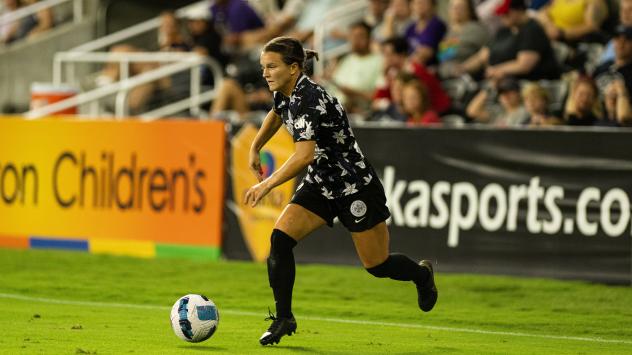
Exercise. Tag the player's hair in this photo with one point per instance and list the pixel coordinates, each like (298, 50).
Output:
(291, 51)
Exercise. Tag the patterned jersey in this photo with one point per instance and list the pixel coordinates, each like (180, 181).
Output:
(310, 113)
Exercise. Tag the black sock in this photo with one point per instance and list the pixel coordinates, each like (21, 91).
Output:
(402, 268)
(281, 271)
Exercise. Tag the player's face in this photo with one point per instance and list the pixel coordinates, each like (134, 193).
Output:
(277, 74)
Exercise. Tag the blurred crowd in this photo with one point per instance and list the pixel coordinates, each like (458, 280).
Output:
(498, 62)
(25, 27)
(421, 62)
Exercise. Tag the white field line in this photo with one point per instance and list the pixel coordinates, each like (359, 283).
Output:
(322, 319)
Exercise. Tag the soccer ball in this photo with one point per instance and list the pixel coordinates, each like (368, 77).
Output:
(194, 318)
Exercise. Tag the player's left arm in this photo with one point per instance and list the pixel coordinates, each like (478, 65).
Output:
(302, 157)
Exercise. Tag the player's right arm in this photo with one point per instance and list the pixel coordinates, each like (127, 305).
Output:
(270, 126)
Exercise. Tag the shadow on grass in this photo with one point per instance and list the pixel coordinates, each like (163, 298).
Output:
(298, 349)
(202, 347)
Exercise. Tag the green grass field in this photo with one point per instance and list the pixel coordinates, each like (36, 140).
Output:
(73, 303)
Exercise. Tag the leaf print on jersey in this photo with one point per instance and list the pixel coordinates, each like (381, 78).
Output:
(322, 107)
(340, 136)
(319, 154)
(361, 164)
(339, 108)
(328, 194)
(318, 179)
(349, 189)
(344, 171)
(367, 179)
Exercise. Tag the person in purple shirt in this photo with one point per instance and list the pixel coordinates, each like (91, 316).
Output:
(425, 34)
(232, 18)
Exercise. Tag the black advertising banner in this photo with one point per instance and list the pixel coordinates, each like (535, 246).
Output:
(553, 203)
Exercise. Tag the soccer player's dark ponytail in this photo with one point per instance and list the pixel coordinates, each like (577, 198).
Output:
(309, 54)
(291, 51)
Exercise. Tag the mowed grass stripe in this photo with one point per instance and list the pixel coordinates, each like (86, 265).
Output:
(322, 319)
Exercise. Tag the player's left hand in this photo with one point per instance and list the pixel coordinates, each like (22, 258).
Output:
(256, 193)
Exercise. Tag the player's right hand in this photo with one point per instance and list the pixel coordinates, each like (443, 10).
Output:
(254, 163)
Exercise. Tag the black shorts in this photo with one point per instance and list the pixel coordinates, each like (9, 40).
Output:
(358, 212)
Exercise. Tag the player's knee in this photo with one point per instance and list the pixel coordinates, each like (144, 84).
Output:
(280, 243)
(381, 270)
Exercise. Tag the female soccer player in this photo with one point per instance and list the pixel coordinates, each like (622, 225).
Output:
(340, 182)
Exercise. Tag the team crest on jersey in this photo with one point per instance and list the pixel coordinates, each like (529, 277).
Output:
(358, 208)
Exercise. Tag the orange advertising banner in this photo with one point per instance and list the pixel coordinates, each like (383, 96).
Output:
(106, 181)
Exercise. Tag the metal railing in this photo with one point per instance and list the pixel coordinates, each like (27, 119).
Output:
(77, 9)
(129, 32)
(183, 62)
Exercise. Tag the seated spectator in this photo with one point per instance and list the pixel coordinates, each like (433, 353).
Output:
(573, 21)
(396, 20)
(204, 38)
(277, 20)
(8, 30)
(425, 34)
(582, 106)
(170, 36)
(234, 19)
(537, 102)
(465, 37)
(140, 97)
(507, 111)
(617, 104)
(416, 104)
(486, 13)
(394, 51)
(355, 76)
(519, 49)
(625, 19)
(32, 25)
(375, 15)
(392, 109)
(621, 65)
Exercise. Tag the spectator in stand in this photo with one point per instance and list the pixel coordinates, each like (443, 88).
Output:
(392, 110)
(355, 76)
(536, 102)
(625, 19)
(375, 15)
(416, 104)
(486, 13)
(615, 77)
(519, 49)
(32, 25)
(617, 104)
(583, 107)
(573, 21)
(396, 20)
(205, 39)
(277, 18)
(170, 35)
(426, 33)
(396, 60)
(234, 20)
(465, 37)
(8, 30)
(507, 111)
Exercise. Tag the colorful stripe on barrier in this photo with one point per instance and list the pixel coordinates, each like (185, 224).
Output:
(136, 248)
